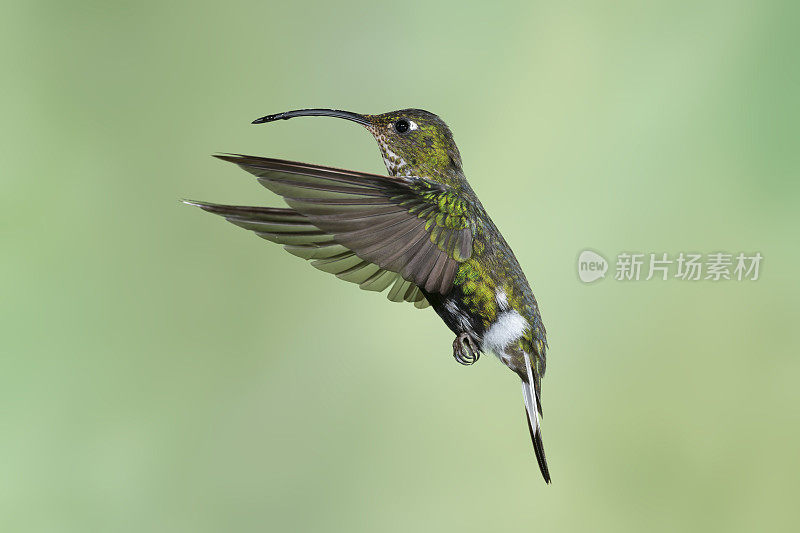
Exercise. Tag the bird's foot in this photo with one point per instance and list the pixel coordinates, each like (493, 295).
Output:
(465, 349)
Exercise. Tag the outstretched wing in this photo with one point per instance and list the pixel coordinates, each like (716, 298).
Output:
(301, 238)
(377, 231)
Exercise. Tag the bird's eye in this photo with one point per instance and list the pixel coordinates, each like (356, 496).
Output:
(402, 126)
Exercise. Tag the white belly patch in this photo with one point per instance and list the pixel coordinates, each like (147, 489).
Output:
(509, 327)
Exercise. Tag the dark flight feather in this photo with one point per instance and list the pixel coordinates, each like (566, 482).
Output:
(394, 223)
(538, 448)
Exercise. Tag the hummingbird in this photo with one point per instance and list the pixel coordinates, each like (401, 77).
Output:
(421, 232)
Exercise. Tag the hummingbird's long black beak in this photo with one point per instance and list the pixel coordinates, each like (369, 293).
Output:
(347, 115)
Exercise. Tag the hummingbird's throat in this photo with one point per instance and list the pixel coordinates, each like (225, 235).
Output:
(395, 164)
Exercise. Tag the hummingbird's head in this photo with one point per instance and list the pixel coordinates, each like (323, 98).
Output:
(413, 142)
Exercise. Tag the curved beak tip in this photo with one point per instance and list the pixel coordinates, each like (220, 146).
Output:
(268, 118)
(286, 115)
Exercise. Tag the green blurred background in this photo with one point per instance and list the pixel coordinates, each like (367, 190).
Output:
(165, 371)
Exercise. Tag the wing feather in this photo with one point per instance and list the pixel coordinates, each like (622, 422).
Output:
(409, 234)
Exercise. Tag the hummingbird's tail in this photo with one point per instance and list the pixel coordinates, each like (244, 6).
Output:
(532, 411)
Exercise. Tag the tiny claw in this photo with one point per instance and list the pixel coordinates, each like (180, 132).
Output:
(464, 349)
